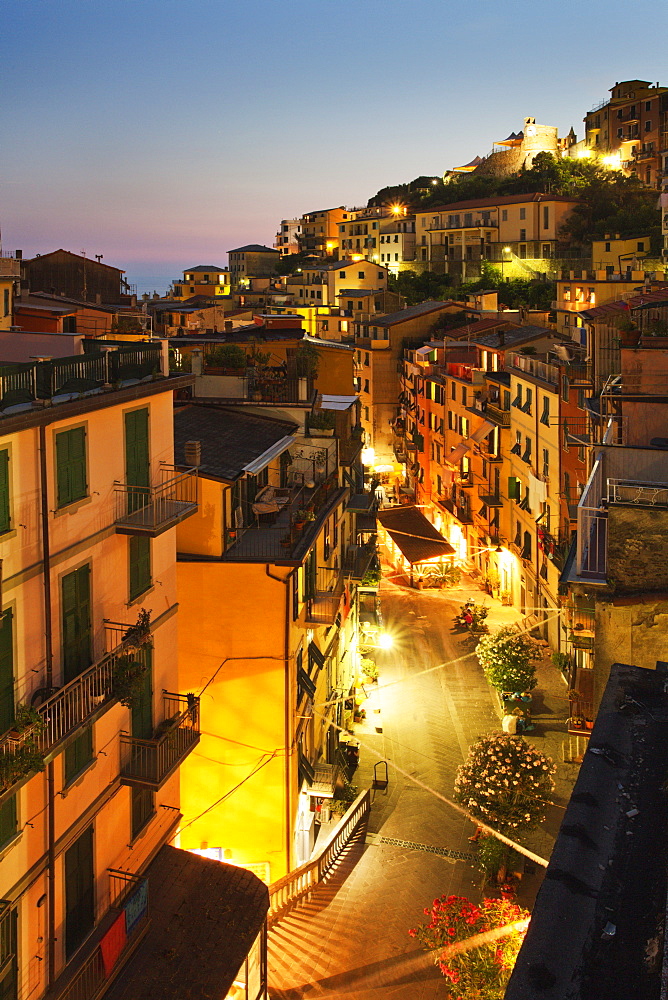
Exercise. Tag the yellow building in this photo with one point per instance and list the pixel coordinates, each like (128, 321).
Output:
(320, 230)
(359, 234)
(616, 255)
(205, 279)
(7, 283)
(267, 573)
(335, 283)
(93, 727)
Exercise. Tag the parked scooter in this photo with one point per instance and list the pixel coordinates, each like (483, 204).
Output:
(465, 617)
(472, 617)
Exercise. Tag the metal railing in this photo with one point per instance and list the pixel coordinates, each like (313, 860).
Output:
(300, 883)
(151, 762)
(324, 604)
(499, 416)
(126, 892)
(627, 491)
(358, 559)
(531, 366)
(61, 714)
(153, 509)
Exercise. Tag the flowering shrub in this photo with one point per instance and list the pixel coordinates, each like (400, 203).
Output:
(480, 972)
(504, 782)
(507, 658)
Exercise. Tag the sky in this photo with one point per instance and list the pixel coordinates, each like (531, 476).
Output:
(163, 133)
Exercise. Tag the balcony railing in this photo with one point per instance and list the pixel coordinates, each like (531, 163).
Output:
(531, 366)
(65, 711)
(150, 510)
(149, 763)
(499, 416)
(359, 558)
(323, 606)
(627, 491)
(128, 895)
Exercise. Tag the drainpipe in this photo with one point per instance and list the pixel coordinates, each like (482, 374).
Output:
(288, 713)
(48, 652)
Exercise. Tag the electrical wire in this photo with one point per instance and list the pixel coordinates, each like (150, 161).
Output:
(227, 794)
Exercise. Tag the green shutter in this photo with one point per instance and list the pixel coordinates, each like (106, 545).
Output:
(142, 713)
(513, 488)
(136, 448)
(71, 480)
(79, 892)
(8, 956)
(6, 671)
(143, 807)
(75, 589)
(78, 754)
(139, 551)
(8, 821)
(5, 519)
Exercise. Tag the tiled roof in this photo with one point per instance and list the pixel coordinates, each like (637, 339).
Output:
(656, 297)
(205, 916)
(230, 438)
(204, 267)
(421, 309)
(254, 248)
(509, 199)
(512, 336)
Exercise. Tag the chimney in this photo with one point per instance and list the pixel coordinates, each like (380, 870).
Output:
(193, 453)
(502, 338)
(228, 325)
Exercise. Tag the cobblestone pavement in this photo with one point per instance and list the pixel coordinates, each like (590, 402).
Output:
(350, 940)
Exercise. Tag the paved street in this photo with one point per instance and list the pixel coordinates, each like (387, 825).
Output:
(351, 941)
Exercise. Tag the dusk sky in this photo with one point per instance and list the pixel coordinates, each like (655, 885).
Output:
(162, 134)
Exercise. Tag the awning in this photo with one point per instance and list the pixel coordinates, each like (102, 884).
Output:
(482, 431)
(427, 349)
(414, 534)
(455, 456)
(259, 463)
(337, 402)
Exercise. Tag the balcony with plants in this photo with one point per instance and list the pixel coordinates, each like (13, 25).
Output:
(41, 727)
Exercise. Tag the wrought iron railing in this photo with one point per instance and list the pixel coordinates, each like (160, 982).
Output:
(324, 604)
(627, 491)
(128, 893)
(152, 509)
(300, 883)
(151, 762)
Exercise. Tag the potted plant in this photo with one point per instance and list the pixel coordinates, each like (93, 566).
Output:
(127, 682)
(629, 334)
(323, 422)
(307, 360)
(23, 754)
(369, 669)
(139, 634)
(507, 658)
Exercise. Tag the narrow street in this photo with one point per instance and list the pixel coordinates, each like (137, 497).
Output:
(351, 939)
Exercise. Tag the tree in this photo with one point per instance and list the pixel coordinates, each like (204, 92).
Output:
(507, 658)
(307, 360)
(477, 972)
(420, 287)
(505, 782)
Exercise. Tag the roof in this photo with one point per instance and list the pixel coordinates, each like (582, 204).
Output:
(477, 327)
(601, 906)
(254, 248)
(340, 265)
(403, 315)
(416, 536)
(512, 336)
(509, 199)
(95, 263)
(204, 267)
(205, 916)
(657, 297)
(358, 291)
(231, 438)
(41, 300)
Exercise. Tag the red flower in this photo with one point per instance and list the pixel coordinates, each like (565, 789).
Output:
(451, 931)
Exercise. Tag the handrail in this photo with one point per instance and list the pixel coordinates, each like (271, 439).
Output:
(295, 885)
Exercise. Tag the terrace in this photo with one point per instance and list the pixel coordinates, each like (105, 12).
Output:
(149, 763)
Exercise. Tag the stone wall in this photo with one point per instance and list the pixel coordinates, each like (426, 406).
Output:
(637, 549)
(629, 632)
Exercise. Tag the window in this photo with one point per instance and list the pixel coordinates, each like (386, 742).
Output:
(79, 892)
(526, 457)
(565, 388)
(143, 807)
(547, 250)
(528, 401)
(453, 390)
(465, 427)
(546, 217)
(139, 557)
(463, 395)
(6, 302)
(78, 755)
(545, 415)
(546, 464)
(5, 518)
(504, 215)
(342, 274)
(517, 447)
(518, 396)
(366, 385)
(366, 359)
(360, 275)
(6, 671)
(76, 621)
(607, 247)
(9, 827)
(648, 105)
(523, 213)
(640, 245)
(648, 126)
(620, 133)
(71, 479)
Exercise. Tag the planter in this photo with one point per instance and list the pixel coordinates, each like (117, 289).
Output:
(323, 432)
(629, 338)
(656, 343)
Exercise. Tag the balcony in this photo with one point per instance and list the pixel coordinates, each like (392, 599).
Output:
(150, 510)
(72, 706)
(323, 606)
(287, 533)
(149, 763)
(87, 977)
(350, 448)
(537, 369)
(581, 626)
(499, 416)
(359, 559)
(463, 514)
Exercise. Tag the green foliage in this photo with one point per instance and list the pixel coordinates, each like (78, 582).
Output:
(307, 360)
(369, 668)
(26, 717)
(561, 661)
(343, 798)
(505, 782)
(127, 680)
(533, 293)
(473, 973)
(25, 759)
(322, 420)
(507, 659)
(227, 356)
(293, 262)
(493, 857)
(418, 288)
(139, 634)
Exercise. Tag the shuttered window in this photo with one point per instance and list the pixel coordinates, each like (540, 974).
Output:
(139, 551)
(8, 824)
(79, 892)
(5, 518)
(78, 755)
(75, 589)
(6, 671)
(71, 479)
